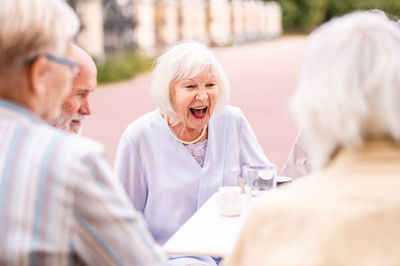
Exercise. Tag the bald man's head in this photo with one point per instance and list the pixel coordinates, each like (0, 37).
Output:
(76, 106)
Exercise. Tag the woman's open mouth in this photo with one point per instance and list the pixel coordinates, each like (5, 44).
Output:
(199, 112)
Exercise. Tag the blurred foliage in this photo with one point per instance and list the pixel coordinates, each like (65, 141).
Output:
(122, 65)
(305, 15)
(72, 3)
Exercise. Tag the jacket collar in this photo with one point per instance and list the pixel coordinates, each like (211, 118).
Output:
(373, 154)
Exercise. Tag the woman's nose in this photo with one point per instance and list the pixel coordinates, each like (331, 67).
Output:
(202, 94)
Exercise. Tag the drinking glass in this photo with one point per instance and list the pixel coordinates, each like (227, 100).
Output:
(259, 178)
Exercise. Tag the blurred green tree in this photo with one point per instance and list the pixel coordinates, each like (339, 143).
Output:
(72, 3)
(305, 15)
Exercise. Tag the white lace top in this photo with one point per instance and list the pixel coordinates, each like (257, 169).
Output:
(198, 151)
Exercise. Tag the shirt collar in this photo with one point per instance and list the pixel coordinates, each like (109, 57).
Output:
(12, 110)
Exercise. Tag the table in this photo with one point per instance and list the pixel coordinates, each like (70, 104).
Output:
(206, 233)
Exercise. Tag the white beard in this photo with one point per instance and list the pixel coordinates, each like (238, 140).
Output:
(65, 123)
(70, 126)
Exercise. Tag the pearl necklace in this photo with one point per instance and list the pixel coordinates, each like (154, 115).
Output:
(182, 141)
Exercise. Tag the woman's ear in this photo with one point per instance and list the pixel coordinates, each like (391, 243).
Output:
(37, 75)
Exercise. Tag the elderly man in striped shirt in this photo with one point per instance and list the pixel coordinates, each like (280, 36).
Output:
(59, 203)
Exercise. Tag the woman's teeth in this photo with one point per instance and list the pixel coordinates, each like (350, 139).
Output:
(198, 111)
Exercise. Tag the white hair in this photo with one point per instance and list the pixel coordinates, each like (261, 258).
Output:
(185, 60)
(30, 27)
(349, 87)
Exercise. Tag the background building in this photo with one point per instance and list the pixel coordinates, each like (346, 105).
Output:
(154, 24)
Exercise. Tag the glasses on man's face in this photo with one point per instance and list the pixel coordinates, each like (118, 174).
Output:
(75, 67)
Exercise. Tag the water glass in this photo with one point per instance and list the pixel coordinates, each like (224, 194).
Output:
(259, 178)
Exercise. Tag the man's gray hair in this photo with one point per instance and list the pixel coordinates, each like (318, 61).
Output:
(31, 27)
(349, 87)
(185, 60)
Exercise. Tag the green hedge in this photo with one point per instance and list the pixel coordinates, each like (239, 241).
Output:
(305, 15)
(122, 65)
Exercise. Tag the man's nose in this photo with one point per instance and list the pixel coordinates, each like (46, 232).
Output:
(85, 108)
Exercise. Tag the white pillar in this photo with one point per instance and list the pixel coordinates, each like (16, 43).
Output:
(237, 19)
(219, 22)
(260, 14)
(193, 19)
(145, 33)
(167, 23)
(250, 19)
(273, 19)
(91, 38)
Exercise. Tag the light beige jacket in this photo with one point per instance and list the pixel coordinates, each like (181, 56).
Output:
(346, 214)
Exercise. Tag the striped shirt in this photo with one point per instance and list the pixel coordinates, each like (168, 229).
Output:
(60, 203)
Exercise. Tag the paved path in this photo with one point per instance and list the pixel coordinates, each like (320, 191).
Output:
(263, 75)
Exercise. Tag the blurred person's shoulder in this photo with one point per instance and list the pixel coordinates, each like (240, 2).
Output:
(70, 145)
(325, 191)
(298, 192)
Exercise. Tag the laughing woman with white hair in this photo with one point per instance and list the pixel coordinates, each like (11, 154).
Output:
(348, 105)
(171, 160)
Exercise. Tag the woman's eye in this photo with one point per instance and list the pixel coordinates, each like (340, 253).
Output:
(190, 87)
(211, 85)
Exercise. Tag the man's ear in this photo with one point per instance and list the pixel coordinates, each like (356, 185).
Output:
(37, 75)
